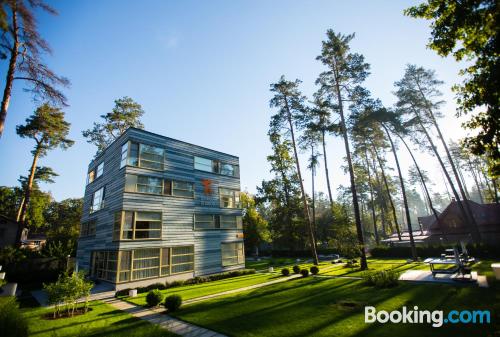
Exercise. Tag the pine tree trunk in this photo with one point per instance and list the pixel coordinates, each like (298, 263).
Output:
(466, 217)
(403, 191)
(495, 188)
(29, 186)
(313, 173)
(304, 199)
(326, 171)
(393, 207)
(357, 217)
(473, 172)
(375, 232)
(383, 203)
(476, 235)
(14, 53)
(422, 180)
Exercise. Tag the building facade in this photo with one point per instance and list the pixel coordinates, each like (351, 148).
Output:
(157, 209)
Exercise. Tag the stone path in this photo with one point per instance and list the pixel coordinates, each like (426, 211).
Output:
(158, 316)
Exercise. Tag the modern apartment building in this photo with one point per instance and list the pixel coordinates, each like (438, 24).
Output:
(158, 209)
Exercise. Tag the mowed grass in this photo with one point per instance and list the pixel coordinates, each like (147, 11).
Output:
(102, 320)
(198, 290)
(335, 307)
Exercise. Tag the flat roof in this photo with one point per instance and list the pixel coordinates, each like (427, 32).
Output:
(162, 136)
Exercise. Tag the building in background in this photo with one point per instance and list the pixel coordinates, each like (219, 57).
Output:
(158, 209)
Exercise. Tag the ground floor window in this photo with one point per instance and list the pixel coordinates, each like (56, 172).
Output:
(232, 253)
(144, 263)
(104, 265)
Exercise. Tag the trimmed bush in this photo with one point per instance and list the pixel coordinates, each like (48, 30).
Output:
(173, 302)
(285, 271)
(296, 269)
(314, 270)
(12, 322)
(154, 298)
(159, 286)
(382, 279)
(304, 272)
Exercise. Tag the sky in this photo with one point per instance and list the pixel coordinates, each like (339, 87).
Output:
(201, 71)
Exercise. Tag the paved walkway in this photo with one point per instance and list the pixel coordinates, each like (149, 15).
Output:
(158, 316)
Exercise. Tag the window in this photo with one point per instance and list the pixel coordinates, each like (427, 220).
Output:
(203, 164)
(182, 259)
(125, 265)
(182, 189)
(142, 155)
(230, 222)
(90, 177)
(97, 200)
(146, 263)
(229, 198)
(123, 161)
(143, 184)
(143, 263)
(99, 170)
(216, 166)
(154, 185)
(129, 225)
(105, 265)
(205, 221)
(88, 228)
(95, 173)
(232, 253)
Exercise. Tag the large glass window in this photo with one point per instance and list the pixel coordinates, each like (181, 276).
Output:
(216, 166)
(229, 198)
(232, 253)
(105, 265)
(88, 228)
(97, 200)
(182, 259)
(143, 263)
(90, 176)
(131, 225)
(203, 164)
(143, 184)
(154, 185)
(230, 222)
(146, 263)
(182, 189)
(143, 155)
(206, 221)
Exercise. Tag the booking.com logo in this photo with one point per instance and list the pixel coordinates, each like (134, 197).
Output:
(437, 317)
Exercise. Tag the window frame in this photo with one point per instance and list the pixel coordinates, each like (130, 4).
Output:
(126, 257)
(167, 187)
(236, 251)
(215, 166)
(118, 228)
(128, 160)
(88, 228)
(235, 197)
(101, 203)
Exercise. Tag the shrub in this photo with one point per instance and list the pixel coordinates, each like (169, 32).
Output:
(159, 286)
(285, 271)
(154, 297)
(296, 269)
(304, 272)
(382, 279)
(314, 270)
(173, 302)
(12, 322)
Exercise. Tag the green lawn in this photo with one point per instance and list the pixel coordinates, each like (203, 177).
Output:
(335, 307)
(103, 320)
(198, 290)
